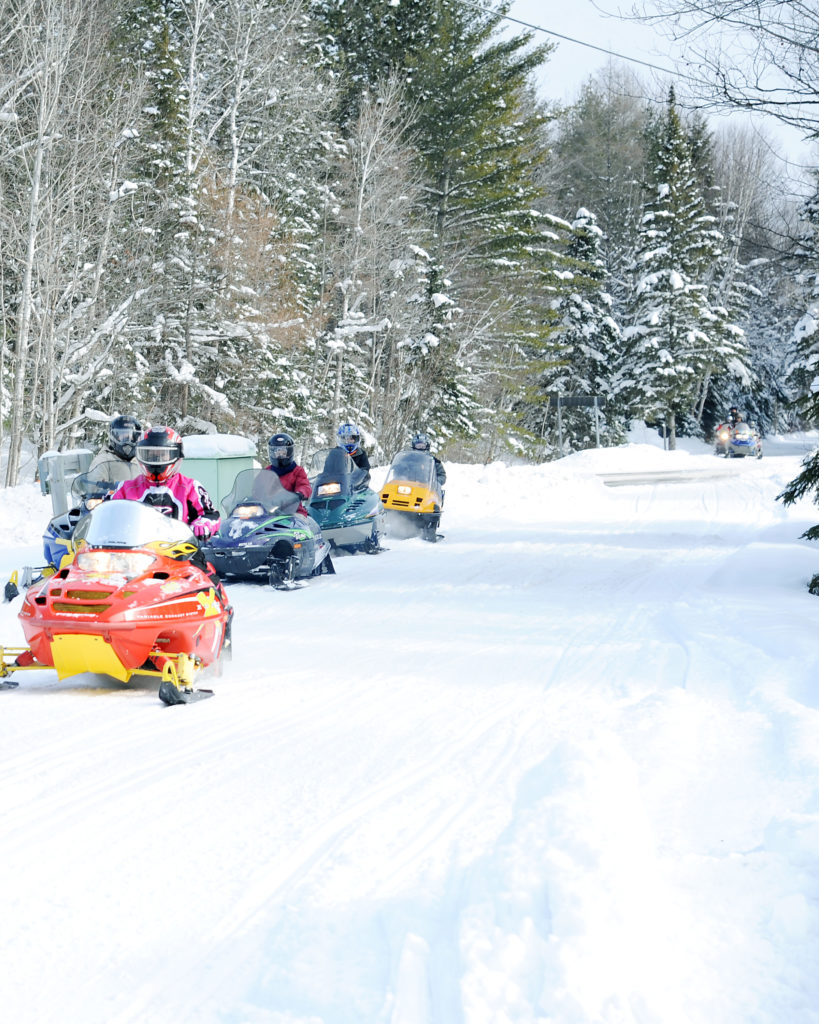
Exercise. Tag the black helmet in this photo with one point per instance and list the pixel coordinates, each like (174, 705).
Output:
(420, 443)
(158, 452)
(280, 448)
(123, 434)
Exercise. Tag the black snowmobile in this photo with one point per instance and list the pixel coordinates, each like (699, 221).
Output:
(263, 536)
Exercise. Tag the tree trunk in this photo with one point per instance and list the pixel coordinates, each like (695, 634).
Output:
(671, 430)
(24, 321)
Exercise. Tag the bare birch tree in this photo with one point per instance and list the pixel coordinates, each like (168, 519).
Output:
(757, 55)
(61, 139)
(381, 333)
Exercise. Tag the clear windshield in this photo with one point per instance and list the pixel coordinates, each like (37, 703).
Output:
(335, 465)
(333, 461)
(417, 467)
(92, 484)
(263, 487)
(742, 430)
(129, 524)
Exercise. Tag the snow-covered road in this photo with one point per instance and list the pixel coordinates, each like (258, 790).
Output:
(560, 767)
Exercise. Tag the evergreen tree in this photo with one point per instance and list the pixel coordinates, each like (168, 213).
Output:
(479, 139)
(674, 325)
(233, 188)
(806, 340)
(591, 342)
(598, 161)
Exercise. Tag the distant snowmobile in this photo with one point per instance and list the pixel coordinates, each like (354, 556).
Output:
(738, 441)
(412, 497)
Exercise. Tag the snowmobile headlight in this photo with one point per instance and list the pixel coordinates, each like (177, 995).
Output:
(248, 511)
(119, 563)
(325, 489)
(403, 489)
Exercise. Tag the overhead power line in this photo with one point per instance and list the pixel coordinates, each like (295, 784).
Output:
(686, 102)
(582, 42)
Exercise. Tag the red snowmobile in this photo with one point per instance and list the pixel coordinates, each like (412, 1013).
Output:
(137, 598)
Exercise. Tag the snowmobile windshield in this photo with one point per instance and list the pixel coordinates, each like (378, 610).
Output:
(130, 524)
(260, 487)
(418, 467)
(338, 463)
(338, 474)
(92, 485)
(331, 462)
(742, 430)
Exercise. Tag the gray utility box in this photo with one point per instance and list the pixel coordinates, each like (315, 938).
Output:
(57, 470)
(215, 460)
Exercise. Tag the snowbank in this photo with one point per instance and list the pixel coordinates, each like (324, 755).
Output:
(209, 446)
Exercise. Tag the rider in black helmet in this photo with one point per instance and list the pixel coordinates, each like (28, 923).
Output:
(293, 477)
(115, 462)
(420, 443)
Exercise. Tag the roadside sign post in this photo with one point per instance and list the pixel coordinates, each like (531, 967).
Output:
(575, 401)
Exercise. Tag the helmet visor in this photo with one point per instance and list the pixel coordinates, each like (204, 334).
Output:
(123, 434)
(280, 452)
(159, 456)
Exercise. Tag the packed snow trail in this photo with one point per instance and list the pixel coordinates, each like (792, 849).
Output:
(557, 768)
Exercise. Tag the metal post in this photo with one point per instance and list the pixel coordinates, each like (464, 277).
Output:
(559, 431)
(596, 423)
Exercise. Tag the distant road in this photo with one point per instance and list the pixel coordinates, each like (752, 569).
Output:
(772, 448)
(676, 476)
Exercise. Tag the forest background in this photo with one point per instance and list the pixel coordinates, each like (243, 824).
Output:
(250, 216)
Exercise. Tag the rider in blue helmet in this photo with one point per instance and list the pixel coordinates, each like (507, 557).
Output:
(349, 438)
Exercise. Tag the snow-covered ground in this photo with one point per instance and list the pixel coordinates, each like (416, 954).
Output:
(560, 767)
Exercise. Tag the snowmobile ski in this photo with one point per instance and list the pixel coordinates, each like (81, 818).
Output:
(171, 695)
(11, 590)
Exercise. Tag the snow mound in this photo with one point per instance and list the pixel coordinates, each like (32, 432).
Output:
(211, 446)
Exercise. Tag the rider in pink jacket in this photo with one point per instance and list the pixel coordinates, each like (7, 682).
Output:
(160, 486)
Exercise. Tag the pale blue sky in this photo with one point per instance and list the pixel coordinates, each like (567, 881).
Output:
(571, 64)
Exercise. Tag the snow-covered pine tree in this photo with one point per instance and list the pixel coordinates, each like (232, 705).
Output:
(806, 339)
(479, 138)
(591, 342)
(673, 329)
(597, 160)
(727, 372)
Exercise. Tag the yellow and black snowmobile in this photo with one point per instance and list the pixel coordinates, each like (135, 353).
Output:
(412, 496)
